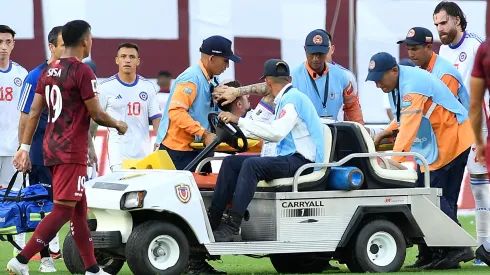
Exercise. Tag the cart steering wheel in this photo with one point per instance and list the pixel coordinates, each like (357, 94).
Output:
(229, 133)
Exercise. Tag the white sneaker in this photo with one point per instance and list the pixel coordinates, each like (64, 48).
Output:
(16, 268)
(47, 265)
(101, 272)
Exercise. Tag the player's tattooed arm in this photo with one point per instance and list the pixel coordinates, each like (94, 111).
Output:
(255, 89)
(269, 100)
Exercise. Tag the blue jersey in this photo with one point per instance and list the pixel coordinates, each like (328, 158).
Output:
(25, 102)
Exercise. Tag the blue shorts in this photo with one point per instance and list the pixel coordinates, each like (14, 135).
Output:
(41, 174)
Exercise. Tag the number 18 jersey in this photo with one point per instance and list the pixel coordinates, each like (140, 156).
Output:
(137, 105)
(10, 89)
(65, 86)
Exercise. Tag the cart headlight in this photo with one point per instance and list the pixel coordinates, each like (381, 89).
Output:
(133, 200)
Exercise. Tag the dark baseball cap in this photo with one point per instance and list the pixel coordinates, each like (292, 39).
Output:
(379, 64)
(317, 41)
(418, 36)
(219, 46)
(271, 67)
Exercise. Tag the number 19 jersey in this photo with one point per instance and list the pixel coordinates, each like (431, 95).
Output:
(65, 86)
(137, 105)
(10, 89)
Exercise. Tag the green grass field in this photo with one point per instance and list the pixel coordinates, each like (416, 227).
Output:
(246, 265)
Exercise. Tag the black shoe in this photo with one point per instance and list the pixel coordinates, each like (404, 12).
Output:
(329, 267)
(421, 261)
(214, 219)
(229, 230)
(201, 267)
(454, 256)
(483, 255)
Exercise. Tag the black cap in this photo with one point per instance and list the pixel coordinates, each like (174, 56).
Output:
(219, 46)
(271, 66)
(317, 42)
(379, 64)
(418, 36)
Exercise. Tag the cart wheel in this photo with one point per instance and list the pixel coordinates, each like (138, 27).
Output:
(380, 247)
(71, 256)
(298, 263)
(156, 247)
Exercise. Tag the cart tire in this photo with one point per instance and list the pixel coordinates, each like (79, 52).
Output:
(74, 262)
(380, 247)
(351, 262)
(298, 263)
(156, 247)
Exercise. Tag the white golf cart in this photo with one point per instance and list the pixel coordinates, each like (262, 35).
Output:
(153, 219)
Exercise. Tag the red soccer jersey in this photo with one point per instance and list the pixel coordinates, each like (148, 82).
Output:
(65, 84)
(481, 68)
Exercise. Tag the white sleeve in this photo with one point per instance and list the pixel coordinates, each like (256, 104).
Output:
(275, 130)
(154, 108)
(103, 97)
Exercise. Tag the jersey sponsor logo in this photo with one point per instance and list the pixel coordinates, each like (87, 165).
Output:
(183, 192)
(144, 96)
(462, 56)
(18, 81)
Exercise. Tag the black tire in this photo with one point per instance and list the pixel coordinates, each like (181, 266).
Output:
(349, 257)
(74, 262)
(141, 239)
(298, 263)
(387, 259)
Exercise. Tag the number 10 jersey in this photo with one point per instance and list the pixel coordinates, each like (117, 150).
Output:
(65, 86)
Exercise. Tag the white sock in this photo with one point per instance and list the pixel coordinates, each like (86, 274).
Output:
(481, 194)
(54, 245)
(20, 239)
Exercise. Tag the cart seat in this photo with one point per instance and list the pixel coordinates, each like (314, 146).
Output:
(316, 180)
(354, 138)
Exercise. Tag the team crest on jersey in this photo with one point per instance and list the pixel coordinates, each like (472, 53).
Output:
(183, 192)
(462, 56)
(18, 81)
(143, 96)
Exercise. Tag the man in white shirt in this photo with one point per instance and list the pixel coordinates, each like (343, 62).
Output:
(460, 47)
(131, 98)
(12, 76)
(299, 135)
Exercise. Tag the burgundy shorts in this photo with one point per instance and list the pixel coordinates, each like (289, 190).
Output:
(68, 181)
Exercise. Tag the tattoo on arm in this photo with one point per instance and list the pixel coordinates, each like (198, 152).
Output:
(255, 89)
(269, 100)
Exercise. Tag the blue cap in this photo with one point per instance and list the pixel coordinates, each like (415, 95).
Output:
(379, 64)
(406, 62)
(317, 41)
(271, 67)
(219, 46)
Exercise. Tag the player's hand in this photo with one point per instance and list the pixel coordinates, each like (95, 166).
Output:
(228, 117)
(21, 161)
(225, 92)
(480, 152)
(92, 159)
(121, 127)
(377, 139)
(208, 137)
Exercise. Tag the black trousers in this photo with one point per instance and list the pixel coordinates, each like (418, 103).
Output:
(182, 158)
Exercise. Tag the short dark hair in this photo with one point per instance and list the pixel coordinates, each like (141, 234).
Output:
(74, 32)
(7, 29)
(228, 107)
(164, 73)
(53, 35)
(454, 10)
(128, 45)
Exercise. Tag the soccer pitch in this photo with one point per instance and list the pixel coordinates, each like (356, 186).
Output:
(247, 265)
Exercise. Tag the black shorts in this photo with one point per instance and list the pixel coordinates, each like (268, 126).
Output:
(40, 174)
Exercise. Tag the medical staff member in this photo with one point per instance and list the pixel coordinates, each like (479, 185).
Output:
(297, 130)
(327, 86)
(185, 118)
(432, 122)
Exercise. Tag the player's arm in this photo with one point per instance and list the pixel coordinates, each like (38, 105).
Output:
(411, 116)
(154, 111)
(352, 107)
(230, 93)
(477, 88)
(178, 112)
(25, 102)
(275, 130)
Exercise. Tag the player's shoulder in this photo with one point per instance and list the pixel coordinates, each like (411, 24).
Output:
(348, 72)
(108, 81)
(473, 38)
(18, 68)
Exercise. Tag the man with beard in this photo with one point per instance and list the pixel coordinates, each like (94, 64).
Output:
(460, 47)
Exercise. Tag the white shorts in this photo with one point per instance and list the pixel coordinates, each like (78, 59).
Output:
(7, 170)
(473, 166)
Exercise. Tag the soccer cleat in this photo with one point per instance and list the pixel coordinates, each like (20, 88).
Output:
(47, 265)
(56, 255)
(14, 267)
(101, 272)
(479, 262)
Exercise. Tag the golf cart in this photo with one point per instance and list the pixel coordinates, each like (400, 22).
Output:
(351, 210)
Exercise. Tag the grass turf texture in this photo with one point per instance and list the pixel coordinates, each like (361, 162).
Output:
(247, 265)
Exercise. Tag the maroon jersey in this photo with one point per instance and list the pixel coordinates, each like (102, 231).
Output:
(481, 68)
(65, 84)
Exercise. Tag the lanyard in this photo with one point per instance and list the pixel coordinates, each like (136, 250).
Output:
(325, 93)
(397, 104)
(211, 90)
